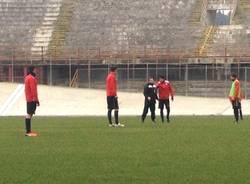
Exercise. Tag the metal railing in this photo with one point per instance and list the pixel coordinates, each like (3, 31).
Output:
(205, 80)
(23, 54)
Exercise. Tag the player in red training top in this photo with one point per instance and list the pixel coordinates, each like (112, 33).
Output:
(112, 99)
(31, 98)
(164, 91)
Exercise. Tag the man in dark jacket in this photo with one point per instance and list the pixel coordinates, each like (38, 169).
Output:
(150, 99)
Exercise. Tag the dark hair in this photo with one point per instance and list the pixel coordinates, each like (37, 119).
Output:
(234, 75)
(162, 77)
(113, 68)
(30, 69)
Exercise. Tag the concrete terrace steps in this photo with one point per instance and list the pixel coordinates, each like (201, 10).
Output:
(20, 18)
(141, 23)
(233, 36)
(199, 13)
(242, 15)
(62, 27)
(43, 34)
(206, 40)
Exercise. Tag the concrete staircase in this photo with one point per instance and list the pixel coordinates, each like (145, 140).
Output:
(61, 29)
(223, 5)
(215, 39)
(206, 41)
(43, 34)
(199, 12)
(19, 21)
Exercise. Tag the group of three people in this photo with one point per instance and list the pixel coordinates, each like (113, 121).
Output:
(161, 91)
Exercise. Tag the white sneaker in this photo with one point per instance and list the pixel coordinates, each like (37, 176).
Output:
(120, 125)
(111, 125)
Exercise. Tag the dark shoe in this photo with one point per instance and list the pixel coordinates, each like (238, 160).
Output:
(236, 122)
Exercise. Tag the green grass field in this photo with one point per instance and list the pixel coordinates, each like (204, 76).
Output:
(85, 150)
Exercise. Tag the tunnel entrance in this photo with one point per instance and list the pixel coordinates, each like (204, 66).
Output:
(219, 17)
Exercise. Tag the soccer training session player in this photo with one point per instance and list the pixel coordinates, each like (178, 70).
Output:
(165, 91)
(150, 99)
(235, 97)
(31, 98)
(112, 99)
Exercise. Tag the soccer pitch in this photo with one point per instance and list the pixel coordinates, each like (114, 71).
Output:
(69, 150)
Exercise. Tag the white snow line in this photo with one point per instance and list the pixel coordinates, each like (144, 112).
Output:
(14, 96)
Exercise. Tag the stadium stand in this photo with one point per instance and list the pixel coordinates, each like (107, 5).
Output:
(123, 24)
(53, 27)
(69, 32)
(26, 25)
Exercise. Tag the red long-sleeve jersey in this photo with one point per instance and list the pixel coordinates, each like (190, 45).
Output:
(31, 88)
(165, 90)
(111, 84)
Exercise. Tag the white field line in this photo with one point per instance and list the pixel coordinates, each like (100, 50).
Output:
(14, 96)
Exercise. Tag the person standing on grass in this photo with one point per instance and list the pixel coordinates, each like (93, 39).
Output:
(112, 99)
(165, 91)
(31, 98)
(150, 99)
(235, 97)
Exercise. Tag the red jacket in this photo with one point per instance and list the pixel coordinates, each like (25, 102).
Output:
(165, 90)
(111, 86)
(31, 88)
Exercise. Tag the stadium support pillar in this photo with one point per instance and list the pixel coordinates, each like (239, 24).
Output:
(166, 67)
(89, 74)
(24, 72)
(40, 70)
(186, 79)
(246, 83)
(147, 73)
(156, 68)
(42, 49)
(70, 74)
(128, 76)
(206, 80)
(50, 73)
(1, 73)
(10, 74)
(238, 67)
(179, 69)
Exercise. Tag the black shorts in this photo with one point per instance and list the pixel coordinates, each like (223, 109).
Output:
(163, 103)
(112, 102)
(236, 104)
(31, 107)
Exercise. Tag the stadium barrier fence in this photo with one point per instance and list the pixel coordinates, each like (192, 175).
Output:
(204, 80)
